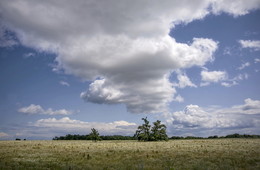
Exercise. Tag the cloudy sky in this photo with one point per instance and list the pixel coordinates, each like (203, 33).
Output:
(66, 67)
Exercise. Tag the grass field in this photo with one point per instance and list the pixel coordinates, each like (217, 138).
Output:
(175, 154)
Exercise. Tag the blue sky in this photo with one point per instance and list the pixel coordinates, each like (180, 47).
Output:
(66, 68)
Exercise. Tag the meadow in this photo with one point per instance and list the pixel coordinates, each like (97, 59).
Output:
(174, 154)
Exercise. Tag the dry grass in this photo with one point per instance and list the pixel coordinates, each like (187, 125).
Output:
(177, 154)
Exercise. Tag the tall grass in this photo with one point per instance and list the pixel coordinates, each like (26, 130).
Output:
(177, 154)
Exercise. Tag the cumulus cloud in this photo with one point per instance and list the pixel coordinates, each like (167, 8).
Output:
(122, 47)
(66, 125)
(208, 77)
(239, 118)
(142, 81)
(37, 109)
(253, 44)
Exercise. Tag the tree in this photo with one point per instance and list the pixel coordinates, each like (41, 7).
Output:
(146, 133)
(158, 131)
(143, 131)
(94, 135)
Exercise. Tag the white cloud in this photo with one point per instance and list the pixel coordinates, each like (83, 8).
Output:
(3, 135)
(67, 125)
(184, 81)
(51, 127)
(235, 80)
(236, 8)
(179, 99)
(221, 77)
(250, 107)
(122, 47)
(141, 81)
(193, 120)
(152, 96)
(244, 65)
(64, 83)
(32, 109)
(37, 109)
(254, 44)
(229, 84)
(212, 120)
(208, 77)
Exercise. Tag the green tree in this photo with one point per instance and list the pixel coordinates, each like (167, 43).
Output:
(143, 131)
(158, 131)
(94, 135)
(146, 133)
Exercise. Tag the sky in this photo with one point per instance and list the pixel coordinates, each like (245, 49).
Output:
(67, 67)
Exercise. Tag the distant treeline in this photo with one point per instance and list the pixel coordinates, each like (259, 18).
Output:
(120, 137)
(235, 135)
(88, 137)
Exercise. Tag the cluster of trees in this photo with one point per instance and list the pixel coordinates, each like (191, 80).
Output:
(147, 133)
(144, 133)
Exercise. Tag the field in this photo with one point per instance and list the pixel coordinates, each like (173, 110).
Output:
(174, 154)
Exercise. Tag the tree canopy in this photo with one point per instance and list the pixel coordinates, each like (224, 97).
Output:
(94, 135)
(147, 133)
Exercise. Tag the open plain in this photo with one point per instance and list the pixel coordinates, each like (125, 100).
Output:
(174, 154)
